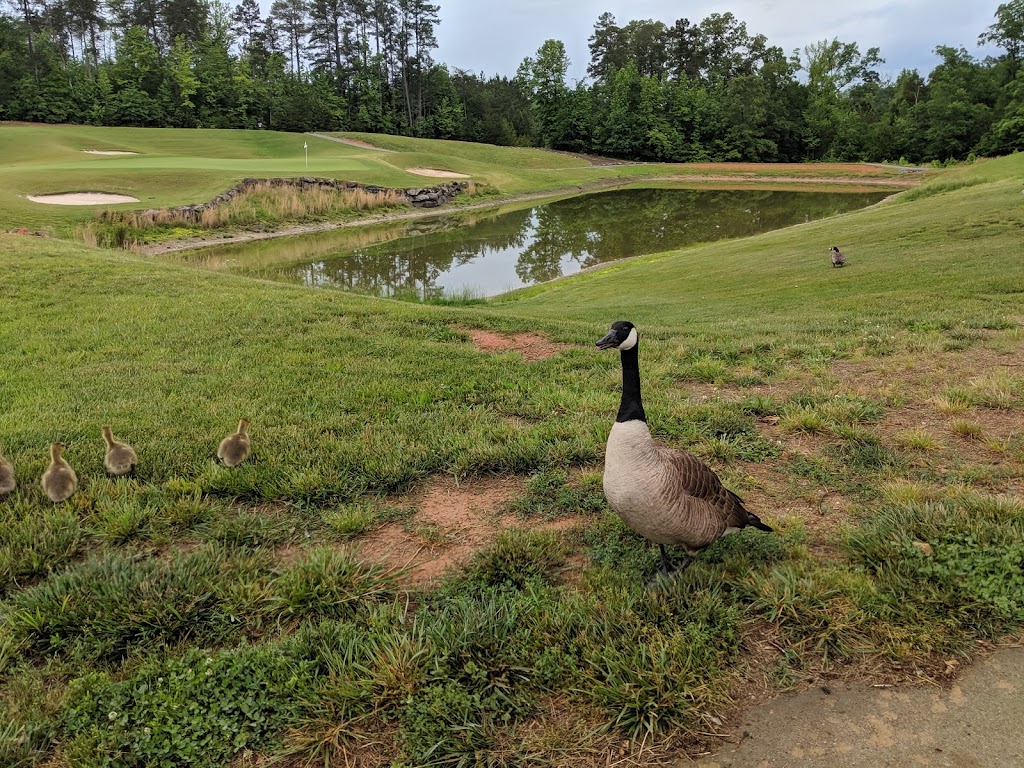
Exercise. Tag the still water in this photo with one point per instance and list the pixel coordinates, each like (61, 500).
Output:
(488, 253)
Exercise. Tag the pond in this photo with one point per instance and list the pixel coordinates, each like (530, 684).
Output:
(488, 253)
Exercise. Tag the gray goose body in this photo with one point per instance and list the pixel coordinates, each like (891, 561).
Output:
(838, 259)
(7, 484)
(668, 496)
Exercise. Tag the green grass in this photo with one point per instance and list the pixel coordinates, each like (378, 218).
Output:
(189, 166)
(197, 606)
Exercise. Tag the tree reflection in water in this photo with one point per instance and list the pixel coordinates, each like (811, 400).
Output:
(493, 252)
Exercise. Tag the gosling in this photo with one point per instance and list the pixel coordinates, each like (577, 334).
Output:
(235, 448)
(121, 457)
(7, 483)
(59, 480)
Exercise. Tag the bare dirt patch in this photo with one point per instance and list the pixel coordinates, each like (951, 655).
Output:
(791, 169)
(452, 521)
(437, 174)
(531, 346)
(82, 198)
(108, 152)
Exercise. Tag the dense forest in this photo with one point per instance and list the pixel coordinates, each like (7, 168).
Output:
(679, 91)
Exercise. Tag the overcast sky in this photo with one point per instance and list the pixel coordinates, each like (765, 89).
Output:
(493, 36)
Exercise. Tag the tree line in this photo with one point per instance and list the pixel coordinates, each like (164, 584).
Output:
(685, 91)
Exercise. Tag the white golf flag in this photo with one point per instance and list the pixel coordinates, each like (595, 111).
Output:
(305, 145)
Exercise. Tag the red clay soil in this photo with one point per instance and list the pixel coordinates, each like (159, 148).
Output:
(795, 169)
(530, 345)
(452, 521)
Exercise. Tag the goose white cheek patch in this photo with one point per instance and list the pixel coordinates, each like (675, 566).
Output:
(630, 341)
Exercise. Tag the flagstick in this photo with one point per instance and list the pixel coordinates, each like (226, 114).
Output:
(305, 146)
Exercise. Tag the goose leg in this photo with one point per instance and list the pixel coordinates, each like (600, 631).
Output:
(666, 564)
(686, 563)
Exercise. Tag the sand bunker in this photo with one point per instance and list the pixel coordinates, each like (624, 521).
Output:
(107, 152)
(82, 198)
(437, 174)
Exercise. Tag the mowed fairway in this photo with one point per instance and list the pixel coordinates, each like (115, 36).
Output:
(417, 567)
(172, 167)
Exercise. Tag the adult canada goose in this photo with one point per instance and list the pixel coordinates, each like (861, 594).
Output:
(59, 480)
(234, 449)
(666, 495)
(7, 483)
(837, 257)
(121, 457)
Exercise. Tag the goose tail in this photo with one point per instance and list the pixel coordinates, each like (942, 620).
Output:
(751, 518)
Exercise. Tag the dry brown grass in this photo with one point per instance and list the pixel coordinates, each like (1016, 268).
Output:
(262, 203)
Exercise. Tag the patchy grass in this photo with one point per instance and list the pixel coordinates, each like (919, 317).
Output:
(198, 612)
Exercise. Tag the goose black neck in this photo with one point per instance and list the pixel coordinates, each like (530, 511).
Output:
(631, 409)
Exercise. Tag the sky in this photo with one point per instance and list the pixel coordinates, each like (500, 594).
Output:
(493, 36)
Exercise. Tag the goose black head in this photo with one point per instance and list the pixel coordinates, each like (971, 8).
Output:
(835, 248)
(622, 336)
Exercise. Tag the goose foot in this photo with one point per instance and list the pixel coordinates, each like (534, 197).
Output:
(668, 568)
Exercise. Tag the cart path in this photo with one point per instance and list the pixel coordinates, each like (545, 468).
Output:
(974, 723)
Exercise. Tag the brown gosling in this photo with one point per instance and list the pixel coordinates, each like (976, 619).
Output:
(234, 449)
(121, 457)
(59, 480)
(7, 483)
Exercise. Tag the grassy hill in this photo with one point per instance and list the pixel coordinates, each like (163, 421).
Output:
(871, 414)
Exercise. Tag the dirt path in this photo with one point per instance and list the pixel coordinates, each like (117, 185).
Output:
(975, 723)
(216, 238)
(349, 142)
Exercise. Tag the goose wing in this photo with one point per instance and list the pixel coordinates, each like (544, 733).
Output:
(697, 479)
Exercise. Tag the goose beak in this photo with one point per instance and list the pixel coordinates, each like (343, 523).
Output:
(609, 341)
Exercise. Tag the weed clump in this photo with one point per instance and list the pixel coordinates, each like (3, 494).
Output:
(33, 544)
(516, 558)
(329, 583)
(110, 605)
(550, 494)
(198, 709)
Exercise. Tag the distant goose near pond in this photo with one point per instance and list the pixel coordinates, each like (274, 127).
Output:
(837, 257)
(234, 449)
(59, 480)
(7, 483)
(666, 495)
(121, 457)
